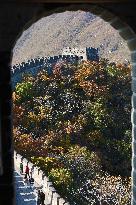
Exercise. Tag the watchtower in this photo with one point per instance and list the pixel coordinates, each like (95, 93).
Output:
(89, 53)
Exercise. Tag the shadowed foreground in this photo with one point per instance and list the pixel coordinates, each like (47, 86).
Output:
(25, 195)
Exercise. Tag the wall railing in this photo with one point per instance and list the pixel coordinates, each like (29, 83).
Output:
(42, 180)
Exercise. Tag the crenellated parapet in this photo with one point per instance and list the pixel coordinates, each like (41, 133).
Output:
(44, 183)
(88, 53)
(41, 62)
(33, 66)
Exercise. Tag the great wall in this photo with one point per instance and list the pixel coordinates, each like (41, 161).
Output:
(33, 66)
(43, 182)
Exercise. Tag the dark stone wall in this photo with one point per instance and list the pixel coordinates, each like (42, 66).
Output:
(33, 66)
(16, 17)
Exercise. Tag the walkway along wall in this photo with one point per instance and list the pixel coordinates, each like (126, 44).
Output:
(43, 181)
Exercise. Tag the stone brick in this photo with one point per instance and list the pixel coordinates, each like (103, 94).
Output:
(133, 101)
(134, 164)
(117, 23)
(133, 59)
(134, 192)
(134, 177)
(133, 132)
(127, 33)
(133, 116)
(134, 84)
(107, 16)
(133, 202)
(132, 44)
(134, 147)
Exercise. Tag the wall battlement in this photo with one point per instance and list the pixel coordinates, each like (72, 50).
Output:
(36, 64)
(41, 62)
(88, 53)
(51, 195)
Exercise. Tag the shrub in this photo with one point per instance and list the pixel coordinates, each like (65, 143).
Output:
(61, 177)
(46, 163)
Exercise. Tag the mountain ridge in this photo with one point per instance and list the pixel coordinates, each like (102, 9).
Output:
(49, 35)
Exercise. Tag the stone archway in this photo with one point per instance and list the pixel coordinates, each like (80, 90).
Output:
(18, 15)
(128, 35)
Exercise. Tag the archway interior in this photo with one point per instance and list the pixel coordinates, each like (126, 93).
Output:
(71, 79)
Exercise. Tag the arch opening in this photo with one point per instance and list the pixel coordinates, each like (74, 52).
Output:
(68, 51)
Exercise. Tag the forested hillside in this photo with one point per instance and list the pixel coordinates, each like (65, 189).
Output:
(75, 125)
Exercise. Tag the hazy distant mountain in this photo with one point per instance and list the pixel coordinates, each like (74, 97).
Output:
(51, 34)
